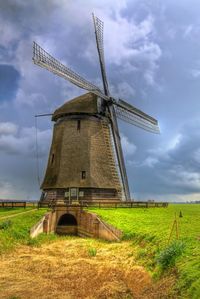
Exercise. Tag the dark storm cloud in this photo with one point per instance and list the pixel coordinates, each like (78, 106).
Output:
(14, 141)
(152, 58)
(172, 170)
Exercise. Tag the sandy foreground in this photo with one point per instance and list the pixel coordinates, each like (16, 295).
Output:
(65, 269)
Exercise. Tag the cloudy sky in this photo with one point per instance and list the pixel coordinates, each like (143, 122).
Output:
(152, 52)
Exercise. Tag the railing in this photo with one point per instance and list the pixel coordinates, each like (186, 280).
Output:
(17, 204)
(107, 204)
(103, 203)
(13, 204)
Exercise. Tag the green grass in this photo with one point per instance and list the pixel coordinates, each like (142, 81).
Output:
(92, 252)
(149, 229)
(17, 232)
(9, 211)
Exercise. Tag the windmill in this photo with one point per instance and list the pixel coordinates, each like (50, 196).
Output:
(107, 108)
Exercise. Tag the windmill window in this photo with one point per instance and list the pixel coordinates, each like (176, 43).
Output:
(52, 158)
(78, 125)
(83, 175)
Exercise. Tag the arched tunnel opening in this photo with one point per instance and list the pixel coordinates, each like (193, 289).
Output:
(67, 225)
(67, 219)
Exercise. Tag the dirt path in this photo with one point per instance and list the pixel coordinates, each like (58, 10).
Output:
(16, 214)
(65, 269)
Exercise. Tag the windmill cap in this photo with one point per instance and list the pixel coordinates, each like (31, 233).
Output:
(84, 104)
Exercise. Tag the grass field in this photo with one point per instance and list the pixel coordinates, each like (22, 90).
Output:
(11, 211)
(150, 229)
(51, 266)
(145, 236)
(17, 228)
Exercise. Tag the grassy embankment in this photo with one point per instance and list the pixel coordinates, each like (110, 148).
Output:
(149, 229)
(87, 268)
(146, 230)
(11, 211)
(14, 231)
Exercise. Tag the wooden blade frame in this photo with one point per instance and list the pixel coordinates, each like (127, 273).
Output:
(119, 152)
(98, 25)
(45, 60)
(136, 117)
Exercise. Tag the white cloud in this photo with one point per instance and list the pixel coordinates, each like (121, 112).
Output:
(128, 44)
(187, 30)
(150, 162)
(7, 128)
(195, 73)
(172, 197)
(7, 190)
(33, 99)
(128, 147)
(125, 40)
(122, 90)
(197, 155)
(23, 141)
(8, 32)
(183, 178)
(174, 142)
(176, 164)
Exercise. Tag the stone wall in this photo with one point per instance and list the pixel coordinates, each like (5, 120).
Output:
(86, 149)
(38, 228)
(88, 224)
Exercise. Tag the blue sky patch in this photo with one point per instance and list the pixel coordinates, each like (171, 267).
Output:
(9, 78)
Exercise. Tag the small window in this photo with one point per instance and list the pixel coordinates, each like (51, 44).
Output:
(83, 175)
(78, 125)
(52, 158)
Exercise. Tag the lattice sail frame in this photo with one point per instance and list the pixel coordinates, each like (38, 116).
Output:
(136, 117)
(98, 25)
(45, 60)
(123, 110)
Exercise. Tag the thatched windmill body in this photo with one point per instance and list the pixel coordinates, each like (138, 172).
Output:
(86, 160)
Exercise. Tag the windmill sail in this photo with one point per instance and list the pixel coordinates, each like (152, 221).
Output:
(45, 60)
(136, 117)
(119, 152)
(98, 25)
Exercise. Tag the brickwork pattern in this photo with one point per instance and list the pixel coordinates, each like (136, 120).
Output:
(88, 149)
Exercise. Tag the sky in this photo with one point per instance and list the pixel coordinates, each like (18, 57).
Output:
(152, 56)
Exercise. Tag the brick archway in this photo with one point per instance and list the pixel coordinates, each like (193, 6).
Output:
(67, 220)
(67, 225)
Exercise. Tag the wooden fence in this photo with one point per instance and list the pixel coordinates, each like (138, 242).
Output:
(100, 204)
(127, 204)
(17, 204)
(110, 204)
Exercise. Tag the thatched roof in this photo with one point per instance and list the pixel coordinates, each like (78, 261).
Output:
(86, 103)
